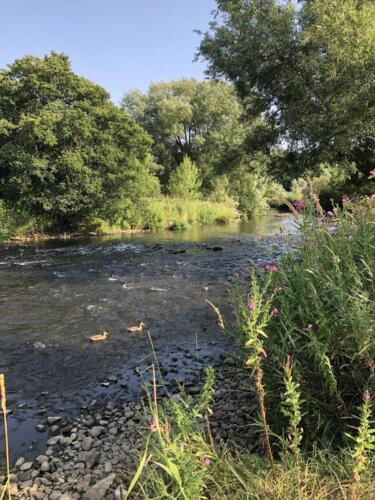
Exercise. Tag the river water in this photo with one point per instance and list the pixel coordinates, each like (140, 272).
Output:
(54, 295)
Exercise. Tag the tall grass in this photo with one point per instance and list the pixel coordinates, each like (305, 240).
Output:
(307, 330)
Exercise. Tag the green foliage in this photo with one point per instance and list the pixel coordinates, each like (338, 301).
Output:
(249, 185)
(180, 456)
(185, 213)
(66, 152)
(325, 321)
(364, 440)
(199, 119)
(181, 461)
(291, 409)
(308, 69)
(328, 181)
(184, 181)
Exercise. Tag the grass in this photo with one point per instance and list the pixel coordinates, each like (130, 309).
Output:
(306, 326)
(170, 213)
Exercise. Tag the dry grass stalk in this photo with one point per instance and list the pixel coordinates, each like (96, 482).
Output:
(6, 488)
(220, 319)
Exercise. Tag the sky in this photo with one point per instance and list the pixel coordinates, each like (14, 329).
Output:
(120, 44)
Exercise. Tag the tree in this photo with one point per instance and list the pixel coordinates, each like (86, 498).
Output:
(66, 151)
(309, 70)
(184, 181)
(187, 117)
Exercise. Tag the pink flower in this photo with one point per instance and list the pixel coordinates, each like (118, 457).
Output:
(274, 269)
(345, 199)
(299, 205)
(153, 425)
(275, 312)
(372, 197)
(372, 174)
(279, 289)
(309, 327)
(330, 213)
(207, 461)
(251, 306)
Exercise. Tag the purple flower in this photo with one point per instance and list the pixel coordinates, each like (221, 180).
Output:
(207, 461)
(251, 306)
(345, 199)
(153, 425)
(299, 205)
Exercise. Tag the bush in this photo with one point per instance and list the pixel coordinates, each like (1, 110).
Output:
(184, 181)
(318, 309)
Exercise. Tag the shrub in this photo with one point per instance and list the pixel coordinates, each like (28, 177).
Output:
(325, 322)
(184, 181)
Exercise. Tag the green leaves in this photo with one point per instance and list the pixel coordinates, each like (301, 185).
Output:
(66, 152)
(310, 70)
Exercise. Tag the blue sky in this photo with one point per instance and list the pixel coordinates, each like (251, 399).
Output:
(120, 44)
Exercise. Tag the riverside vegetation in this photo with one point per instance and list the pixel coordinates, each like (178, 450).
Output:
(306, 327)
(287, 115)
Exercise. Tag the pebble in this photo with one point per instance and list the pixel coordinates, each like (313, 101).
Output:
(26, 466)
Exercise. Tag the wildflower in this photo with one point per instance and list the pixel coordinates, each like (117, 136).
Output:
(275, 312)
(273, 269)
(251, 306)
(153, 425)
(279, 289)
(206, 461)
(264, 265)
(299, 205)
(310, 326)
(345, 199)
(330, 213)
(372, 174)
(372, 197)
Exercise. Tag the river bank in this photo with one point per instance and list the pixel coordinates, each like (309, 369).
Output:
(95, 455)
(70, 290)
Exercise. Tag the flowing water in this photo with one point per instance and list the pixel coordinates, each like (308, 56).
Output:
(54, 295)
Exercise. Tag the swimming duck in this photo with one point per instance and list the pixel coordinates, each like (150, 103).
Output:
(99, 337)
(135, 329)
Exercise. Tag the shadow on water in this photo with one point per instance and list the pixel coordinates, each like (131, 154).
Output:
(55, 294)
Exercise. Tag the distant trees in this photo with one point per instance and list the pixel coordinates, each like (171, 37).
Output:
(66, 151)
(310, 71)
(184, 182)
(187, 118)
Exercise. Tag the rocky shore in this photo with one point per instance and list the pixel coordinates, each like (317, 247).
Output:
(95, 455)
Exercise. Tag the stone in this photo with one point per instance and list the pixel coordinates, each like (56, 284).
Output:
(99, 490)
(19, 462)
(44, 467)
(87, 443)
(53, 440)
(96, 431)
(26, 466)
(53, 420)
(40, 427)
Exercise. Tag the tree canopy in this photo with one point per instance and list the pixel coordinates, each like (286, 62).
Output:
(66, 151)
(310, 69)
(187, 118)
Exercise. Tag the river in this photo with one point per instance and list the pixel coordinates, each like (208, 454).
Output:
(55, 294)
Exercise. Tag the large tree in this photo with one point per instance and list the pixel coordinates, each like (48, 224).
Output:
(66, 151)
(190, 118)
(309, 68)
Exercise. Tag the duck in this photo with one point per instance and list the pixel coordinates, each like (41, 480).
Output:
(136, 329)
(100, 337)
